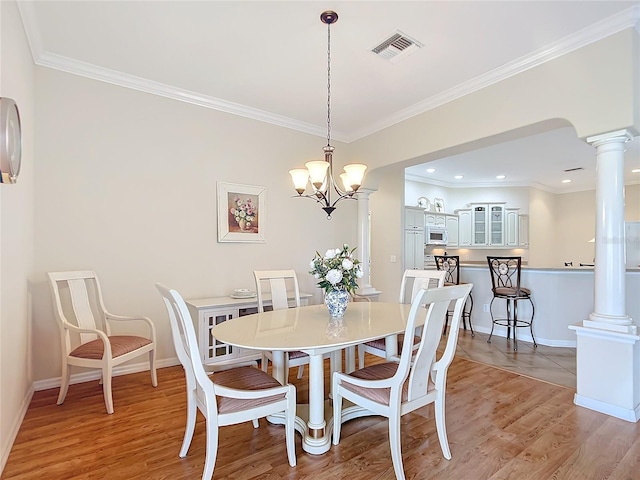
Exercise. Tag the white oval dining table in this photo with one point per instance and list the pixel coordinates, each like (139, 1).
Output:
(310, 330)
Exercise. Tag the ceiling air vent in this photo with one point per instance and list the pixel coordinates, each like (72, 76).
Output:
(574, 169)
(397, 46)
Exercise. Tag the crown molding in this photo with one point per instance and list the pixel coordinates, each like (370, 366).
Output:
(626, 19)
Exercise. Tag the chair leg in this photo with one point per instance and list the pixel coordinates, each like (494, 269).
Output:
(473, 334)
(337, 412)
(509, 317)
(152, 366)
(533, 311)
(441, 426)
(300, 371)
(191, 421)
(256, 423)
(394, 441)
(360, 356)
(446, 323)
(64, 381)
(212, 446)
(264, 364)
(290, 427)
(493, 324)
(106, 389)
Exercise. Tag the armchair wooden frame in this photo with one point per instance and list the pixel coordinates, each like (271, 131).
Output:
(98, 348)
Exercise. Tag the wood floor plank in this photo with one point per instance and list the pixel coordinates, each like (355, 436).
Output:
(501, 425)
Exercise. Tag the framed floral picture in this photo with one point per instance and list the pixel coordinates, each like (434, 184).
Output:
(438, 205)
(242, 213)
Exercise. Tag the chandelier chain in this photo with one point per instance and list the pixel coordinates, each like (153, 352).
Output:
(329, 84)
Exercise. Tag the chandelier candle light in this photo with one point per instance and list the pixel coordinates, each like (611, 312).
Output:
(320, 172)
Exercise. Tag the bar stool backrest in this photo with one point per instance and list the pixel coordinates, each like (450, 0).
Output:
(505, 274)
(450, 264)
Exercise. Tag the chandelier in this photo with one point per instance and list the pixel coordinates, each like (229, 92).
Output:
(320, 172)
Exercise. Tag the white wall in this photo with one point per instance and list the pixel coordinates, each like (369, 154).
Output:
(16, 235)
(126, 185)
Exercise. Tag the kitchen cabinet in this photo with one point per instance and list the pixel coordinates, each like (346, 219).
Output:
(488, 225)
(452, 226)
(511, 227)
(435, 218)
(209, 312)
(414, 220)
(523, 231)
(464, 227)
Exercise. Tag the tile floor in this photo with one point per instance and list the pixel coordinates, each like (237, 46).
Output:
(552, 364)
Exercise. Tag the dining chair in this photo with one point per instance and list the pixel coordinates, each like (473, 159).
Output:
(281, 284)
(450, 264)
(412, 281)
(505, 284)
(228, 397)
(85, 331)
(393, 389)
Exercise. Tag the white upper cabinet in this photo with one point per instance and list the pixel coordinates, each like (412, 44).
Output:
(511, 227)
(464, 227)
(414, 218)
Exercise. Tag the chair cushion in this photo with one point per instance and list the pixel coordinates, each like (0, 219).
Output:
(120, 344)
(511, 292)
(244, 378)
(379, 343)
(297, 354)
(379, 371)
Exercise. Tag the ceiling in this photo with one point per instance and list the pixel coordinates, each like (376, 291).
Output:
(268, 61)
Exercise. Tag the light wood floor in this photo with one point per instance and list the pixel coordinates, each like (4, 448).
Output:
(501, 425)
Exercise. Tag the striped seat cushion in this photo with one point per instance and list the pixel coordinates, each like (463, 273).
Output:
(297, 354)
(245, 378)
(380, 371)
(120, 344)
(379, 344)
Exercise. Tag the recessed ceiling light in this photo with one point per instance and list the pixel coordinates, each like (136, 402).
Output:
(635, 170)
(566, 181)
(500, 177)
(458, 177)
(431, 170)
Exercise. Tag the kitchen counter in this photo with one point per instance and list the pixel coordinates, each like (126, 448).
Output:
(562, 297)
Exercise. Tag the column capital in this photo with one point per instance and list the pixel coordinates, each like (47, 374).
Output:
(365, 192)
(619, 136)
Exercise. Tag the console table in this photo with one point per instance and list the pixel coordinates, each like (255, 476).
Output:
(209, 312)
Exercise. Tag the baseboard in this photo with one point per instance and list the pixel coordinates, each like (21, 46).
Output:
(15, 428)
(630, 415)
(95, 374)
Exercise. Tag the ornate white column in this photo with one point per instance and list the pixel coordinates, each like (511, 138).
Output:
(608, 346)
(364, 243)
(609, 281)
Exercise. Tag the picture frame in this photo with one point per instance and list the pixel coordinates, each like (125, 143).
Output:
(438, 205)
(242, 213)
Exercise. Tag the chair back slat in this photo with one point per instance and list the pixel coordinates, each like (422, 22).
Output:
(415, 368)
(281, 284)
(415, 280)
(77, 300)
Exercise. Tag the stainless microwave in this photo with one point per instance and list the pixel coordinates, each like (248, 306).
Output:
(435, 235)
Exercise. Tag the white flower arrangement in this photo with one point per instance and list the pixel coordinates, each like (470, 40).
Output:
(336, 269)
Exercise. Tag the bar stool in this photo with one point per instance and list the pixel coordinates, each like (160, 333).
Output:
(505, 283)
(450, 264)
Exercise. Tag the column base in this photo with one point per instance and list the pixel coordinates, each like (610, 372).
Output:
(622, 324)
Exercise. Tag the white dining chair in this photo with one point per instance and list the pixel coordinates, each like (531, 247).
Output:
(412, 281)
(393, 389)
(228, 397)
(85, 331)
(281, 284)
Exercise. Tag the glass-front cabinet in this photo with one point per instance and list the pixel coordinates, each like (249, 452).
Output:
(488, 225)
